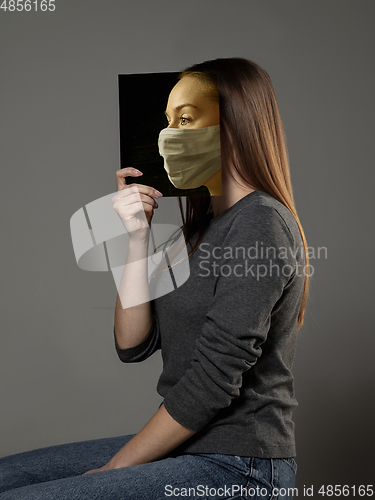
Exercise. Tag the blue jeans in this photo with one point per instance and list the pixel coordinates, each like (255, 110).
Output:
(56, 473)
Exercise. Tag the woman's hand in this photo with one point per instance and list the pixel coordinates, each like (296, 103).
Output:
(107, 466)
(134, 204)
(97, 470)
(114, 463)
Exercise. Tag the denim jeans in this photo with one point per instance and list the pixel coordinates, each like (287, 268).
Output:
(57, 472)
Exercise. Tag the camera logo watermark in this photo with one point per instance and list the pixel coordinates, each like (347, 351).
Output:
(101, 243)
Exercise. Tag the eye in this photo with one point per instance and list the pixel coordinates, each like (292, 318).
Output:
(184, 121)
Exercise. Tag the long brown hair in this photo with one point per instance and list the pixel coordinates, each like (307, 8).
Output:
(252, 140)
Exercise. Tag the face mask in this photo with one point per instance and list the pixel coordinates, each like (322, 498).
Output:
(191, 156)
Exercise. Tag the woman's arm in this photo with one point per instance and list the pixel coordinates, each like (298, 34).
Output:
(158, 437)
(133, 315)
(135, 205)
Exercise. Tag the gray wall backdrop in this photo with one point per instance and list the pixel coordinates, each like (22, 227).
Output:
(60, 377)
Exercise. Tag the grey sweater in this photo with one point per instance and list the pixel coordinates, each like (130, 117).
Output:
(228, 334)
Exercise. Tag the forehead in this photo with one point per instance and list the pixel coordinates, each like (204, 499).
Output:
(187, 90)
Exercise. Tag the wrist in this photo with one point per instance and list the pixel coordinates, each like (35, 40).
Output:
(139, 236)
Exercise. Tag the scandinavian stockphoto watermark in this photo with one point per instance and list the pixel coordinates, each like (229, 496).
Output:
(257, 261)
(101, 243)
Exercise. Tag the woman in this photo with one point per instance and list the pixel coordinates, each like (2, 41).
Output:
(227, 334)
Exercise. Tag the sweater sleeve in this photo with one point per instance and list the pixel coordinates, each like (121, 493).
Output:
(238, 320)
(143, 350)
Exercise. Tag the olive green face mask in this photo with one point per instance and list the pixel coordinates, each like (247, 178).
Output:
(191, 156)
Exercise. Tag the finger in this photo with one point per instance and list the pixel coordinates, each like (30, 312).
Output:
(134, 198)
(136, 188)
(122, 173)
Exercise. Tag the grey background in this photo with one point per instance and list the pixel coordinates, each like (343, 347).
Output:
(61, 380)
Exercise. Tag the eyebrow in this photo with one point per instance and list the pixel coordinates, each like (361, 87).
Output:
(180, 106)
